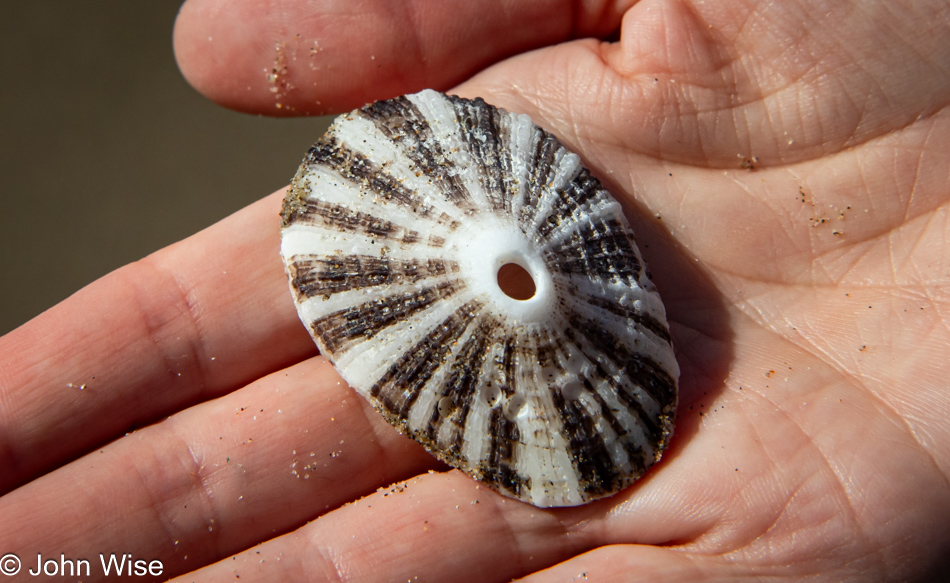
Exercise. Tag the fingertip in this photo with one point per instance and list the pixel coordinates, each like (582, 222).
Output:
(297, 58)
(220, 56)
(284, 60)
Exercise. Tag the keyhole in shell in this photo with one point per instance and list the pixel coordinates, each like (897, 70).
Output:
(516, 282)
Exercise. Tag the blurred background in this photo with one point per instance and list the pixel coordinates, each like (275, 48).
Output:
(107, 154)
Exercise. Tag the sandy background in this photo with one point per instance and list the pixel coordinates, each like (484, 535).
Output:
(107, 154)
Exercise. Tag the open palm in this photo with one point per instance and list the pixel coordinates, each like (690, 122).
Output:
(786, 167)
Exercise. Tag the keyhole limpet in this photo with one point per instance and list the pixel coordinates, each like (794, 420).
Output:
(556, 388)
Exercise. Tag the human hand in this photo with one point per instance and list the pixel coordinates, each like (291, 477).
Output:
(807, 299)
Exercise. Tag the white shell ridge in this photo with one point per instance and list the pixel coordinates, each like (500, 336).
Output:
(394, 231)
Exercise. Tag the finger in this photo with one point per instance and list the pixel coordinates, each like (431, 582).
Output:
(329, 56)
(436, 527)
(446, 527)
(217, 477)
(187, 323)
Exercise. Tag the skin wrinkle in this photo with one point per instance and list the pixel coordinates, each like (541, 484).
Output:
(810, 348)
(931, 221)
(371, 424)
(10, 458)
(412, 16)
(696, 368)
(868, 242)
(925, 446)
(916, 180)
(723, 60)
(333, 567)
(158, 277)
(774, 526)
(773, 204)
(587, 140)
(709, 532)
(813, 349)
(899, 422)
(211, 515)
(376, 427)
(861, 111)
(566, 530)
(734, 110)
(513, 549)
(906, 44)
(680, 115)
(753, 313)
(935, 305)
(510, 530)
(892, 261)
(574, 139)
(857, 528)
(705, 539)
(802, 40)
(763, 97)
(820, 268)
(923, 56)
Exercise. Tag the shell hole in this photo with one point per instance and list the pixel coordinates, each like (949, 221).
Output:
(446, 406)
(572, 390)
(516, 282)
(492, 394)
(515, 407)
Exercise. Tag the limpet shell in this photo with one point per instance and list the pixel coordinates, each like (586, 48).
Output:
(394, 231)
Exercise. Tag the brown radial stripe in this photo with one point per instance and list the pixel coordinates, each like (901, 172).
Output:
(627, 399)
(507, 366)
(540, 172)
(458, 390)
(337, 217)
(642, 370)
(498, 467)
(402, 122)
(480, 131)
(451, 223)
(598, 250)
(597, 474)
(581, 190)
(642, 319)
(397, 390)
(634, 452)
(357, 323)
(357, 169)
(320, 275)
